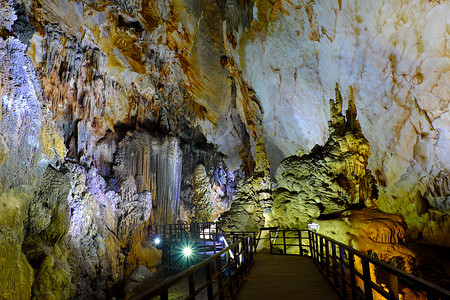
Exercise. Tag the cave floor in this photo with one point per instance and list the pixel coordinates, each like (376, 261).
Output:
(285, 277)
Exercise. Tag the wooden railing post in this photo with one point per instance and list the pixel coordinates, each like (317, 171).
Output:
(317, 248)
(284, 242)
(164, 294)
(191, 284)
(335, 275)
(210, 288)
(393, 286)
(367, 280)
(327, 258)
(310, 244)
(300, 250)
(229, 265)
(322, 262)
(270, 242)
(351, 261)
(344, 286)
(220, 278)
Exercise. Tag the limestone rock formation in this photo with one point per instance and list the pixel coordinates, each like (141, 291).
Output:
(377, 234)
(148, 163)
(139, 275)
(88, 85)
(373, 232)
(25, 152)
(108, 235)
(253, 197)
(395, 56)
(16, 274)
(47, 225)
(328, 180)
(207, 207)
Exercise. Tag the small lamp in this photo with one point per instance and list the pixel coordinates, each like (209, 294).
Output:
(313, 227)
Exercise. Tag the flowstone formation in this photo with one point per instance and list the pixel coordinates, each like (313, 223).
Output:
(331, 178)
(206, 200)
(153, 164)
(29, 141)
(379, 235)
(376, 233)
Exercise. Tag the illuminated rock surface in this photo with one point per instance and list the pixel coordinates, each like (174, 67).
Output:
(373, 232)
(133, 97)
(252, 199)
(330, 179)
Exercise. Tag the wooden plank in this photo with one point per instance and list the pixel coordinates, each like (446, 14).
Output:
(285, 277)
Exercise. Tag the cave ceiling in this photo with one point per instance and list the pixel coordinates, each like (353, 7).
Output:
(240, 70)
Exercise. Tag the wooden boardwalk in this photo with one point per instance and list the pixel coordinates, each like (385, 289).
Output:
(285, 277)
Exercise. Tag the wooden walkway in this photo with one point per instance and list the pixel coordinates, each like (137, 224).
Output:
(285, 277)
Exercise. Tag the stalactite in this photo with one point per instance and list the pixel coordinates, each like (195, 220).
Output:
(155, 164)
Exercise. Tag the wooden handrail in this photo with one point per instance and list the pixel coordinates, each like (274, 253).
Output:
(411, 281)
(236, 265)
(333, 258)
(348, 270)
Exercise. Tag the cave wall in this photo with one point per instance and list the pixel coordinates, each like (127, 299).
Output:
(215, 92)
(88, 160)
(395, 55)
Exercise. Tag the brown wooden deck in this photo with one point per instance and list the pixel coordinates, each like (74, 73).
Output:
(285, 277)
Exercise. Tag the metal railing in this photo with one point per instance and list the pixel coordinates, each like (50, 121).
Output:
(353, 274)
(287, 242)
(359, 276)
(176, 231)
(234, 236)
(223, 274)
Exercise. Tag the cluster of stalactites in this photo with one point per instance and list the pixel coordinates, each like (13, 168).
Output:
(338, 124)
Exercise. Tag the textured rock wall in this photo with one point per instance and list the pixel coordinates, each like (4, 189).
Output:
(373, 232)
(235, 72)
(227, 67)
(330, 179)
(395, 55)
(124, 108)
(25, 152)
(253, 198)
(151, 164)
(150, 63)
(63, 232)
(108, 235)
(206, 180)
(47, 225)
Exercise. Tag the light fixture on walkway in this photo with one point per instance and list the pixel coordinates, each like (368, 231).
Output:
(313, 227)
(187, 251)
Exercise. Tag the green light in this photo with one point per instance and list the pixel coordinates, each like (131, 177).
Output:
(187, 251)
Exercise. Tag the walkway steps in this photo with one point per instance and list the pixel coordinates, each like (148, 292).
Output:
(285, 277)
